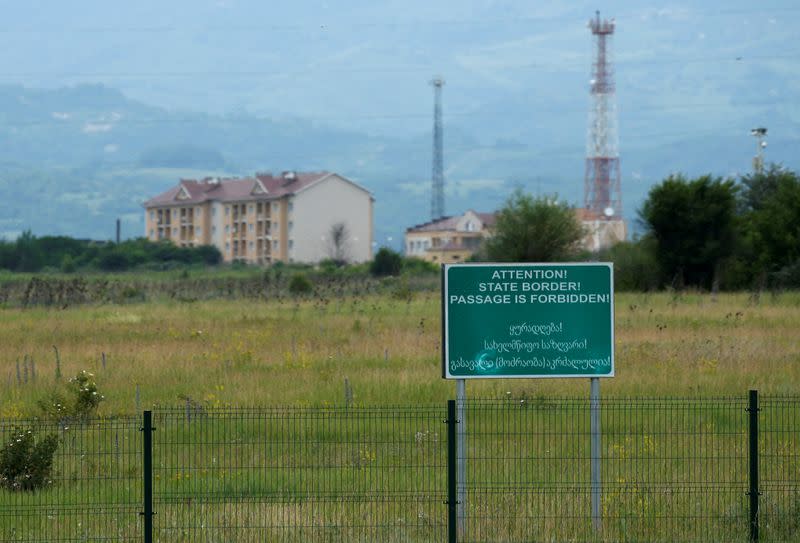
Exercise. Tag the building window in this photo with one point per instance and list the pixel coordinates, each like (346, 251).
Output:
(227, 228)
(251, 244)
(152, 214)
(275, 244)
(275, 226)
(213, 229)
(275, 206)
(291, 206)
(227, 246)
(251, 208)
(291, 225)
(470, 226)
(174, 231)
(213, 211)
(198, 211)
(227, 210)
(198, 231)
(291, 244)
(151, 232)
(251, 227)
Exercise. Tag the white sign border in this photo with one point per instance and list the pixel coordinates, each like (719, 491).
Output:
(445, 319)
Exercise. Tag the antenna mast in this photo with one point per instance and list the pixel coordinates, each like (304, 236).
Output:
(602, 194)
(437, 177)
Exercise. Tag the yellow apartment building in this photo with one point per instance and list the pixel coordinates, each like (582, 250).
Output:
(265, 219)
(449, 239)
(454, 239)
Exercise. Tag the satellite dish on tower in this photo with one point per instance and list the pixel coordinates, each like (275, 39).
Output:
(608, 212)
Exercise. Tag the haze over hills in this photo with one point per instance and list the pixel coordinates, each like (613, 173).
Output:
(104, 106)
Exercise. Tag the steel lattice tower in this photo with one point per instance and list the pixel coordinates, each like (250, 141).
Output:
(602, 193)
(437, 177)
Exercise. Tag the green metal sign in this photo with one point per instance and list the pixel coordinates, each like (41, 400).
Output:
(527, 320)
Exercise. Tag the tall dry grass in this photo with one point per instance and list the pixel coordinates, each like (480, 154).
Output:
(299, 352)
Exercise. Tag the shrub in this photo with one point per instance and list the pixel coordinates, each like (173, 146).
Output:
(68, 264)
(87, 397)
(300, 284)
(25, 461)
(416, 266)
(386, 262)
(77, 400)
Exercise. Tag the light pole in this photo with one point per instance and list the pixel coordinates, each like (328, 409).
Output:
(758, 160)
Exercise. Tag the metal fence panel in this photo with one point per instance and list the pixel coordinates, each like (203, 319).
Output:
(779, 509)
(294, 474)
(93, 492)
(672, 470)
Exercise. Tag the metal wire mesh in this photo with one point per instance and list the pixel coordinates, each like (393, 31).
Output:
(672, 470)
(356, 474)
(91, 493)
(779, 435)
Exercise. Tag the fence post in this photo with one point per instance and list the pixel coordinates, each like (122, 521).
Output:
(452, 500)
(147, 450)
(752, 410)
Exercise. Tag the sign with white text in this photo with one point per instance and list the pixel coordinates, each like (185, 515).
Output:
(527, 320)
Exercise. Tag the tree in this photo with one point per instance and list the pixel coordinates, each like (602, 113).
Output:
(339, 243)
(29, 255)
(386, 262)
(531, 229)
(771, 219)
(693, 223)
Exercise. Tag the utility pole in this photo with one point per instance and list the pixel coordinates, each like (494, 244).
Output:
(760, 134)
(437, 177)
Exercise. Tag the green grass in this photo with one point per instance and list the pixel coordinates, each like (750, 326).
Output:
(216, 354)
(298, 352)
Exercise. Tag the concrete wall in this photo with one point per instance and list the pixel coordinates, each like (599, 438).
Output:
(315, 210)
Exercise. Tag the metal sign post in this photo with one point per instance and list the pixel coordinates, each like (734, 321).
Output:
(594, 409)
(527, 321)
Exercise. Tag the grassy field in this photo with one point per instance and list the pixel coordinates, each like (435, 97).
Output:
(299, 352)
(238, 471)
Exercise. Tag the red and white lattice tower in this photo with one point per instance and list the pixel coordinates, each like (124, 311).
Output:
(602, 194)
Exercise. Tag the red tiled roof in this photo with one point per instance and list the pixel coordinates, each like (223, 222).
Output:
(236, 189)
(488, 219)
(449, 223)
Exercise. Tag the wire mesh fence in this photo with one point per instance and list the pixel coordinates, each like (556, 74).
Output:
(326, 474)
(779, 444)
(671, 470)
(88, 488)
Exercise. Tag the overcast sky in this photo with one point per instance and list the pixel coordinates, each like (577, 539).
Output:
(366, 63)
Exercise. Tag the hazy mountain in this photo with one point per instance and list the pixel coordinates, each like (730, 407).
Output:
(95, 90)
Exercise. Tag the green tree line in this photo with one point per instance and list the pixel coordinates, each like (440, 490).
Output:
(706, 232)
(29, 253)
(717, 233)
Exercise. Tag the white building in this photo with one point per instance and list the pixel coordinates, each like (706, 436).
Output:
(265, 218)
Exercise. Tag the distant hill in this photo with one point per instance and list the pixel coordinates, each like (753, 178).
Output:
(74, 159)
